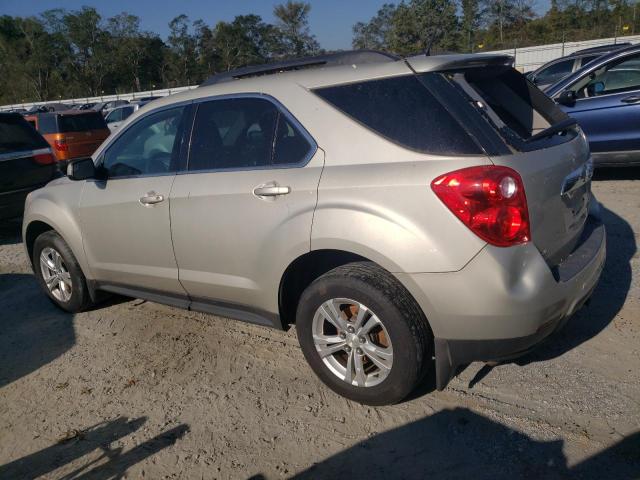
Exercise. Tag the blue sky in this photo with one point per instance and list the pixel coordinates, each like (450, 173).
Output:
(331, 20)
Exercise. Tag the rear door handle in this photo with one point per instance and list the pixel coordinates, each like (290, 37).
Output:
(151, 198)
(271, 191)
(631, 99)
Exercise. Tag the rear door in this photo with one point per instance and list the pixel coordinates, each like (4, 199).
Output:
(608, 106)
(243, 209)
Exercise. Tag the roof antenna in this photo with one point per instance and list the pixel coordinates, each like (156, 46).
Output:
(435, 36)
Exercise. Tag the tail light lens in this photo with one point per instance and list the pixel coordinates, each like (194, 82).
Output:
(490, 200)
(61, 145)
(44, 158)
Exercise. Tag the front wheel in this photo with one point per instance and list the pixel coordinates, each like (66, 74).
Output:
(59, 273)
(363, 334)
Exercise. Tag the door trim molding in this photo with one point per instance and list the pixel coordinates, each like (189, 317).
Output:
(243, 313)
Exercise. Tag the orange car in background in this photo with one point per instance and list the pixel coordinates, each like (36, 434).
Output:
(71, 134)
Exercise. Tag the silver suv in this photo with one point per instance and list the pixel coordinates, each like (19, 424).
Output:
(402, 214)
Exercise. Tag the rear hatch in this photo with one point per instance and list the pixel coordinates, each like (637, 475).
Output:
(519, 127)
(82, 133)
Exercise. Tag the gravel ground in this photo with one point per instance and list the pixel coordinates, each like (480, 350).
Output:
(140, 390)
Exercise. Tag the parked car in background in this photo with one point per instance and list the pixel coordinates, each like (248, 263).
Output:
(71, 134)
(26, 163)
(119, 114)
(145, 99)
(557, 69)
(404, 210)
(604, 97)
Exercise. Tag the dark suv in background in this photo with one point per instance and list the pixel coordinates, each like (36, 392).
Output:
(26, 163)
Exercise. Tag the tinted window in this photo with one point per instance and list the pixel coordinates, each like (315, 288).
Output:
(554, 73)
(81, 122)
(588, 59)
(151, 145)
(404, 111)
(290, 145)
(126, 112)
(233, 133)
(614, 78)
(511, 103)
(114, 116)
(17, 135)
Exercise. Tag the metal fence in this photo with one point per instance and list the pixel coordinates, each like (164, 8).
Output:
(530, 58)
(103, 98)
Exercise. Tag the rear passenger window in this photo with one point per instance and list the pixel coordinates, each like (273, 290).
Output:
(290, 145)
(244, 133)
(405, 112)
(233, 133)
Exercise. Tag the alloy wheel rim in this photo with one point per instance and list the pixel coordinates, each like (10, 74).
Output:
(352, 342)
(55, 274)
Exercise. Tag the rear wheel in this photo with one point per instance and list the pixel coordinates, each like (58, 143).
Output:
(59, 273)
(363, 334)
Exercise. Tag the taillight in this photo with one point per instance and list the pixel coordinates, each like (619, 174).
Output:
(61, 145)
(490, 200)
(44, 158)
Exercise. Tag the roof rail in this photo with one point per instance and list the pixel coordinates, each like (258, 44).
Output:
(341, 58)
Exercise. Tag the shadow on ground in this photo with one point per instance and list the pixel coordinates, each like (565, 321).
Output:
(459, 443)
(112, 463)
(33, 332)
(10, 232)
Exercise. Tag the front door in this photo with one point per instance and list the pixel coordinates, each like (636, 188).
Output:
(608, 106)
(125, 218)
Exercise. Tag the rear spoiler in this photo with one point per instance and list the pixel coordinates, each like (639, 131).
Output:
(423, 63)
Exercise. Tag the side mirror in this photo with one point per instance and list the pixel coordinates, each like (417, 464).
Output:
(568, 98)
(81, 169)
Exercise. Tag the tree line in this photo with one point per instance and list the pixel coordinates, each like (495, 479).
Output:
(66, 54)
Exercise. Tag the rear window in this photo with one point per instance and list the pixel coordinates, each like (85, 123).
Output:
(81, 122)
(17, 135)
(515, 107)
(404, 111)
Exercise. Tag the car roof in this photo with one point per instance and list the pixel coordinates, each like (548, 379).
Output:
(591, 66)
(269, 79)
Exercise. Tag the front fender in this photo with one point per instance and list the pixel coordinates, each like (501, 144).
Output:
(55, 205)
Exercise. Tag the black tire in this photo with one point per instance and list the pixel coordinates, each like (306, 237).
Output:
(80, 299)
(403, 319)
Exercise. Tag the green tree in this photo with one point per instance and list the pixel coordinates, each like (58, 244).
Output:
(469, 23)
(292, 19)
(376, 33)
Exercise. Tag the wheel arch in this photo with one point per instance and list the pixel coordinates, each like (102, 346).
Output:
(302, 271)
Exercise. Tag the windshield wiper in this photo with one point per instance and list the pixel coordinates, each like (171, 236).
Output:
(553, 129)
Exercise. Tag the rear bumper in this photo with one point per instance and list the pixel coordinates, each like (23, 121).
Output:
(505, 301)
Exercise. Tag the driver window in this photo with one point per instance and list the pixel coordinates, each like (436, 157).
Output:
(150, 146)
(620, 77)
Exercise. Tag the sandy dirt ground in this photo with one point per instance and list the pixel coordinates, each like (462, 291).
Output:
(139, 390)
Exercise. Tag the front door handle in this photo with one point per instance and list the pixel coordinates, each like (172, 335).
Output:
(631, 99)
(151, 198)
(271, 191)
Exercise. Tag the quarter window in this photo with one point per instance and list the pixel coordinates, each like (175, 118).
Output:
(150, 146)
(404, 111)
(554, 73)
